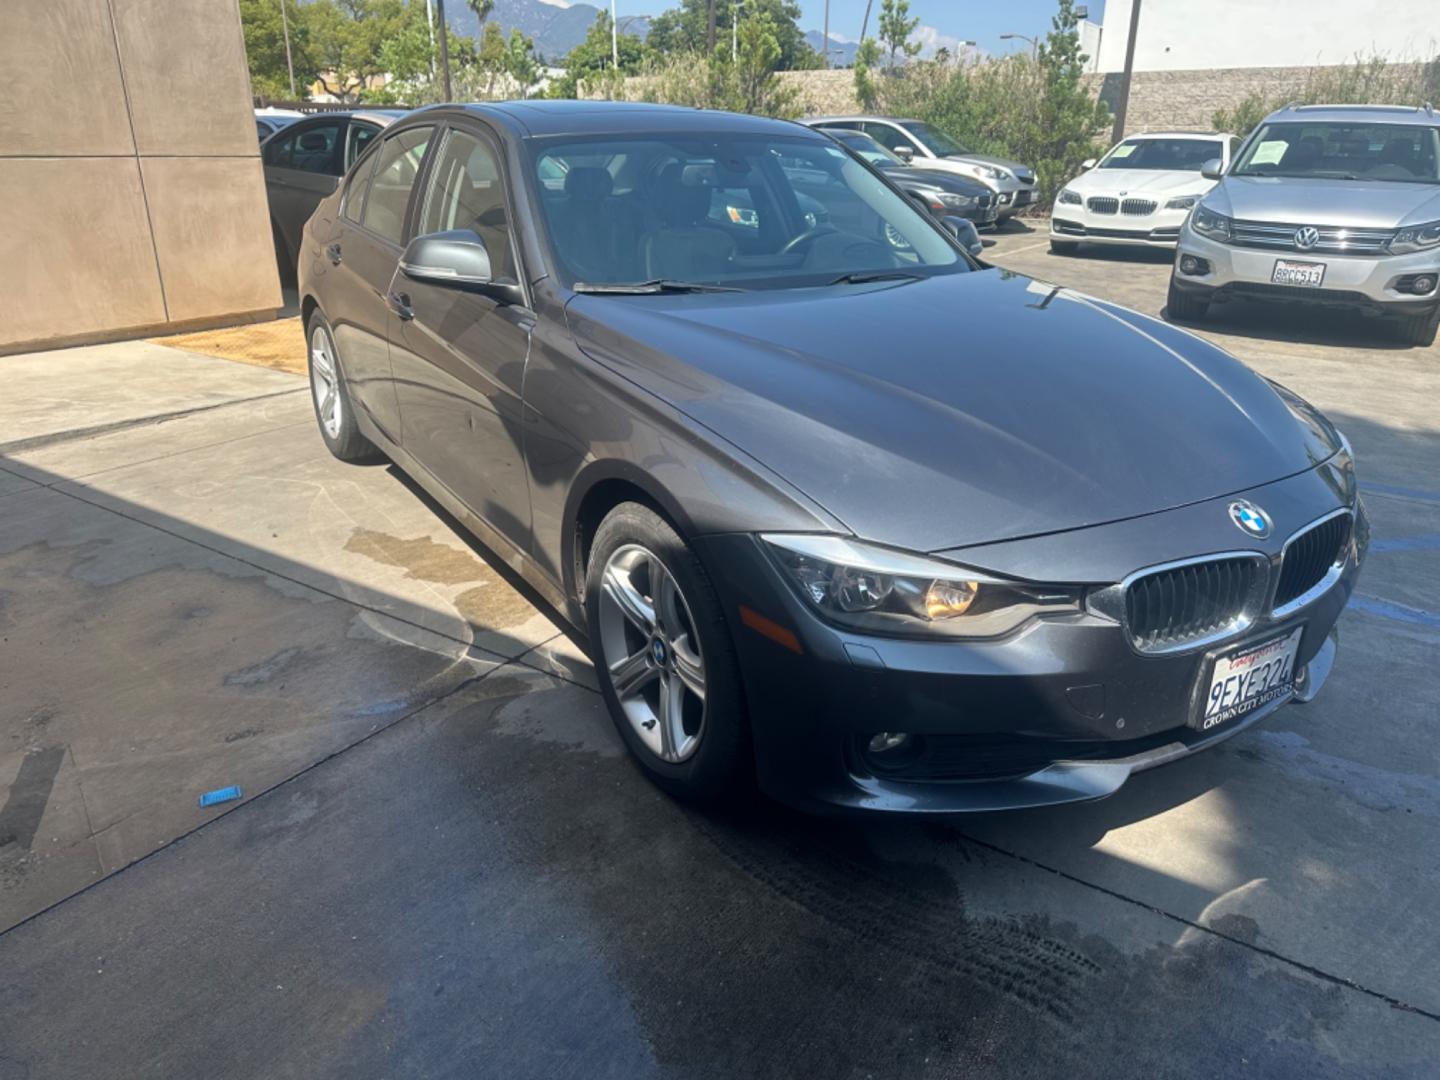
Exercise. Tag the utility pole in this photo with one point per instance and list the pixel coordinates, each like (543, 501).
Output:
(289, 63)
(710, 34)
(735, 30)
(825, 34)
(444, 48)
(866, 22)
(1119, 132)
(430, 21)
(614, 37)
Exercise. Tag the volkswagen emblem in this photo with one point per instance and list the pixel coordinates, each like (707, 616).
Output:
(1306, 237)
(1250, 519)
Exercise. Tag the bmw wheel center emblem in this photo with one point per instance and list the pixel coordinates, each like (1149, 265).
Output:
(1250, 519)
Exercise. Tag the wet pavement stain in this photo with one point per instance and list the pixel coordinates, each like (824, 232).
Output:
(264, 671)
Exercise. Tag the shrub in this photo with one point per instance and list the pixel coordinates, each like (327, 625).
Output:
(1371, 80)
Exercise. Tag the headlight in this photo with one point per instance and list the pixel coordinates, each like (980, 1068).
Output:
(1208, 223)
(988, 172)
(950, 199)
(1070, 198)
(880, 590)
(1416, 238)
(1182, 202)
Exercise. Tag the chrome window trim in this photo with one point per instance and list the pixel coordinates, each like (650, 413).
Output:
(1109, 602)
(1321, 587)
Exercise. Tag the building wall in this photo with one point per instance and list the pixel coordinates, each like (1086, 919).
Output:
(1183, 35)
(131, 195)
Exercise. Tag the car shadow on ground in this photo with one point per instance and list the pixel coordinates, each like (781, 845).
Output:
(1301, 325)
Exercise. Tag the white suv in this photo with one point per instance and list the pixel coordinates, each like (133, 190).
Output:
(1139, 193)
(1332, 204)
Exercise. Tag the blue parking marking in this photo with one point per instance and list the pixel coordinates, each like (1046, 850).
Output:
(219, 795)
(1388, 609)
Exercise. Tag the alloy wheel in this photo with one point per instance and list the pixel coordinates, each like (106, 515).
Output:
(325, 382)
(649, 646)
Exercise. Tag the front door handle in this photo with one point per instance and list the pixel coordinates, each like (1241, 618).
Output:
(334, 252)
(400, 305)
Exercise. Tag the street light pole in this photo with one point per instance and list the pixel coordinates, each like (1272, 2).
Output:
(825, 43)
(735, 30)
(289, 64)
(1119, 132)
(1034, 45)
(614, 37)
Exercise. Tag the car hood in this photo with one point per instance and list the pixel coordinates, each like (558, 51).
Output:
(1375, 204)
(1140, 182)
(1022, 171)
(938, 178)
(958, 409)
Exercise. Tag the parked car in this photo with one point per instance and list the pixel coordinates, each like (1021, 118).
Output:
(928, 146)
(1327, 204)
(303, 163)
(810, 535)
(270, 120)
(945, 194)
(1139, 193)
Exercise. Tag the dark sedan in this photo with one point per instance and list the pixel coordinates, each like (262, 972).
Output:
(944, 193)
(811, 534)
(303, 163)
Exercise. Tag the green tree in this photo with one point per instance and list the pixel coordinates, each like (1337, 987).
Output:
(482, 9)
(867, 91)
(896, 26)
(749, 83)
(521, 64)
(347, 38)
(264, 32)
(684, 30)
(1070, 119)
(590, 62)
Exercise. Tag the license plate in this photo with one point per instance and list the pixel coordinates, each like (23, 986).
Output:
(1244, 681)
(1024, 198)
(1307, 274)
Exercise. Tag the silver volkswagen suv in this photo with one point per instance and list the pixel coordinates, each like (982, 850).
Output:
(1329, 204)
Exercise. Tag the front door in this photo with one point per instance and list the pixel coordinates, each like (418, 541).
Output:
(302, 167)
(459, 359)
(361, 256)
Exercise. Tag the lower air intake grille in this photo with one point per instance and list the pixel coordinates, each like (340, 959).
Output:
(1169, 609)
(1309, 557)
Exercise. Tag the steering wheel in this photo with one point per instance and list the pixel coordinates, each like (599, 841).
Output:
(809, 236)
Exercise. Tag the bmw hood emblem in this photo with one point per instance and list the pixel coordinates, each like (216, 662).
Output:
(1250, 519)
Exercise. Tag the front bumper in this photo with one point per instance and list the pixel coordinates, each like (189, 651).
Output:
(1015, 197)
(1367, 282)
(1079, 224)
(1063, 710)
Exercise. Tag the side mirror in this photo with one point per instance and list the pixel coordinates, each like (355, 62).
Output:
(1087, 164)
(1212, 169)
(456, 259)
(904, 153)
(963, 229)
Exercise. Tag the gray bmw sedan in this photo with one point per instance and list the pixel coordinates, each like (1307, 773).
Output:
(835, 508)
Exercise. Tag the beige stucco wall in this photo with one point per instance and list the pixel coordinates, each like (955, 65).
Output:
(131, 196)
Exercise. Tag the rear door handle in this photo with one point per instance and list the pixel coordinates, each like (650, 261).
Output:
(400, 305)
(334, 252)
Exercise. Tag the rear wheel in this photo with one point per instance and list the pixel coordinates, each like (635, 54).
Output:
(1064, 247)
(330, 394)
(1419, 329)
(1183, 306)
(663, 656)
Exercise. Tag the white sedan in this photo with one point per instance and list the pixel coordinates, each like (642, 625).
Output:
(1139, 192)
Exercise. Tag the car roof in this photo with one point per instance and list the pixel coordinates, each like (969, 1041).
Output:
(821, 121)
(1357, 114)
(541, 118)
(1177, 135)
(378, 116)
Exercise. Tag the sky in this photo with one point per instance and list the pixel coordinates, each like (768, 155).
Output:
(981, 21)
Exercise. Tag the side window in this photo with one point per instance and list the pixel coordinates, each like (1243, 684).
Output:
(1234, 147)
(357, 138)
(279, 150)
(467, 192)
(312, 150)
(359, 187)
(396, 167)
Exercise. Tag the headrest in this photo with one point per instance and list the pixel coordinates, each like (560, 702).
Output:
(314, 140)
(588, 183)
(683, 198)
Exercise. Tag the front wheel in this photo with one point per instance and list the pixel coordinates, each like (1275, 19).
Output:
(1419, 329)
(663, 656)
(330, 394)
(1183, 306)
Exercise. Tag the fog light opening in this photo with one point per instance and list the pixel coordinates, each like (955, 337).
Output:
(885, 742)
(1423, 284)
(1193, 265)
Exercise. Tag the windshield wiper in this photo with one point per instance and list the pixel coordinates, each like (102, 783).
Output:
(863, 277)
(656, 285)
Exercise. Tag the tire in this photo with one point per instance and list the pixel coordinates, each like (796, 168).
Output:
(694, 748)
(1183, 307)
(334, 416)
(1064, 247)
(1418, 329)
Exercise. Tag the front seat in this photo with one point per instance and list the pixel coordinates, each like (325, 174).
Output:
(682, 247)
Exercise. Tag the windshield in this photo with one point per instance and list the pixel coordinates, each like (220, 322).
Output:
(1406, 153)
(746, 212)
(937, 142)
(1174, 155)
(867, 148)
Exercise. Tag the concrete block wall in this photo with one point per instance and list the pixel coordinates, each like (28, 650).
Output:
(131, 195)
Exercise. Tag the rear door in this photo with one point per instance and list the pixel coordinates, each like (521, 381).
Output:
(459, 358)
(303, 164)
(360, 259)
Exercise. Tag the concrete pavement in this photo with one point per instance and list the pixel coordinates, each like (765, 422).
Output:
(445, 865)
